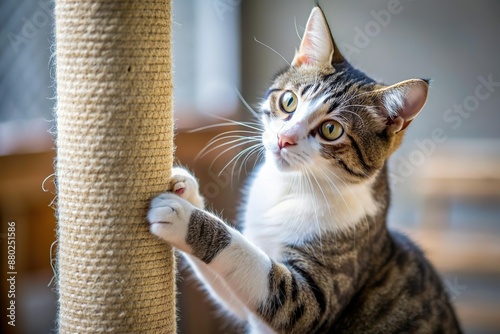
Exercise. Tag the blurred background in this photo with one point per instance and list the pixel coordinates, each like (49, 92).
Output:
(446, 176)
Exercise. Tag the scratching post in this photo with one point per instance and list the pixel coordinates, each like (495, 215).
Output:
(114, 153)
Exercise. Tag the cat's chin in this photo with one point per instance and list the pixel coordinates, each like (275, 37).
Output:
(278, 161)
(283, 165)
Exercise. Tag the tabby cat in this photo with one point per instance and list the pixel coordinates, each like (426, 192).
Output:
(315, 254)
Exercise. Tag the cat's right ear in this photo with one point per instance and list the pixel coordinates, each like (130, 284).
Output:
(317, 46)
(403, 101)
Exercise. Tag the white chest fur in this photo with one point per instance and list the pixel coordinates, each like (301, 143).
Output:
(289, 208)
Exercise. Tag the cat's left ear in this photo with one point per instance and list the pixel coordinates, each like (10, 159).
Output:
(317, 46)
(403, 101)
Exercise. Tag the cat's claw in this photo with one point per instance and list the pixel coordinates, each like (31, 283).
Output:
(179, 188)
(184, 185)
(170, 212)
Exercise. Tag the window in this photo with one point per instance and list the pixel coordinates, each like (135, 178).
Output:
(206, 59)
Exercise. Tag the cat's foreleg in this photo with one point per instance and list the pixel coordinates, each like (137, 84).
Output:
(217, 288)
(185, 185)
(285, 296)
(221, 248)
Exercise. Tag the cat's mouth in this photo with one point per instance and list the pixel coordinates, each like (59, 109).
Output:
(281, 160)
(280, 157)
(287, 160)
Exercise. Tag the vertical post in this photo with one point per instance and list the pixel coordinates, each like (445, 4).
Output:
(114, 153)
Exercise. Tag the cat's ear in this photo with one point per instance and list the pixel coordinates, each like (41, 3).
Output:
(402, 102)
(317, 46)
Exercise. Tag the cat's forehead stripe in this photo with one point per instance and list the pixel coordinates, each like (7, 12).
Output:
(316, 87)
(305, 89)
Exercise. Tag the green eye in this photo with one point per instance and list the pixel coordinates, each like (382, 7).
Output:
(288, 102)
(331, 130)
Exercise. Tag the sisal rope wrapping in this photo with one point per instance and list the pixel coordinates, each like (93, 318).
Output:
(114, 153)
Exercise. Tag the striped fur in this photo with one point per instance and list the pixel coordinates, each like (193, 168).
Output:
(204, 236)
(315, 254)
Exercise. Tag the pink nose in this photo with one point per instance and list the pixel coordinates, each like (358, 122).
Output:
(284, 141)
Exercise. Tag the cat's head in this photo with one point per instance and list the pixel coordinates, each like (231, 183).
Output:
(321, 112)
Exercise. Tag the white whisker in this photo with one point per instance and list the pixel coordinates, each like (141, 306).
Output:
(343, 109)
(227, 150)
(296, 28)
(357, 95)
(206, 150)
(260, 156)
(270, 48)
(252, 125)
(245, 102)
(244, 160)
(233, 123)
(247, 157)
(232, 134)
(236, 157)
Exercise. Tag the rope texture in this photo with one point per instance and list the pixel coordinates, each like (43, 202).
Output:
(114, 153)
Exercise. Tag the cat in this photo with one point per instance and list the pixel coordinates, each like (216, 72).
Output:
(315, 254)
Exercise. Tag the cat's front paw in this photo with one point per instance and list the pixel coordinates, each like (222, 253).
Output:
(169, 219)
(184, 185)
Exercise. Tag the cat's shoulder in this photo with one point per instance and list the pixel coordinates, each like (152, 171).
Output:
(404, 242)
(408, 252)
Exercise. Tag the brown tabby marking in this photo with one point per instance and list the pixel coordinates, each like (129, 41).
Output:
(206, 236)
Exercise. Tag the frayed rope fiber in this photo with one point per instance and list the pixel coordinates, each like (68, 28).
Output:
(114, 153)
